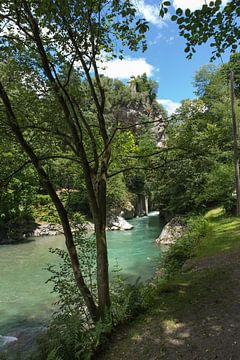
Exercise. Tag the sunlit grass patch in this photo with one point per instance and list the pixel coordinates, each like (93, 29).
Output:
(215, 213)
(225, 235)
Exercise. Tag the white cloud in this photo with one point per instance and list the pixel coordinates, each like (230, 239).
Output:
(169, 105)
(124, 69)
(150, 13)
(192, 4)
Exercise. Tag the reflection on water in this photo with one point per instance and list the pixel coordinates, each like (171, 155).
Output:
(24, 296)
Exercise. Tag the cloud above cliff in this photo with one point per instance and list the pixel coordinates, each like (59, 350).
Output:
(124, 69)
(170, 105)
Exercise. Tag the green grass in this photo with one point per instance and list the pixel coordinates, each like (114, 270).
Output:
(224, 234)
(186, 298)
(186, 288)
(176, 294)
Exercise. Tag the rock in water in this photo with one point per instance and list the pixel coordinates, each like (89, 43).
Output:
(119, 223)
(5, 340)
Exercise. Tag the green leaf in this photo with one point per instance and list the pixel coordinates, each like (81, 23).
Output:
(162, 13)
(180, 20)
(179, 12)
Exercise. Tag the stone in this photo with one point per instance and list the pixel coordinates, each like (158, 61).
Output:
(119, 223)
(128, 212)
(171, 232)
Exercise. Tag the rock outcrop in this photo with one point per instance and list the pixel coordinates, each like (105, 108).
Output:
(30, 229)
(172, 231)
(49, 229)
(131, 113)
(128, 212)
(119, 223)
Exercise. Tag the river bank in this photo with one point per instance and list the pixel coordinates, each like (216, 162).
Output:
(194, 314)
(26, 300)
(30, 229)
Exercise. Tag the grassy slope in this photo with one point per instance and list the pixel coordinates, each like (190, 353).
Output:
(180, 305)
(225, 235)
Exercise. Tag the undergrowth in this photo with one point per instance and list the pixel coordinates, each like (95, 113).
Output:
(184, 248)
(71, 333)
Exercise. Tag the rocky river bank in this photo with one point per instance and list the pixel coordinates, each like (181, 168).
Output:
(172, 231)
(32, 229)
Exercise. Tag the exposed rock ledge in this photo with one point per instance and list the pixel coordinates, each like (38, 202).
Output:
(119, 223)
(172, 231)
(27, 230)
(49, 229)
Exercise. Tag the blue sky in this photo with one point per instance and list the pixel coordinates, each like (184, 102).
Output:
(165, 60)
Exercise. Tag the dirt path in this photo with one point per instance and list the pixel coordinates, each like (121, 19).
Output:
(195, 318)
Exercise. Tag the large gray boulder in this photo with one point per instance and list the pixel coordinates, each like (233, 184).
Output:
(119, 223)
(172, 231)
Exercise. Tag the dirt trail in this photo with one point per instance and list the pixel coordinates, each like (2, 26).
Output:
(196, 319)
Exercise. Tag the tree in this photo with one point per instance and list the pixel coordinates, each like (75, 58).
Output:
(213, 22)
(196, 174)
(51, 45)
(219, 25)
(203, 78)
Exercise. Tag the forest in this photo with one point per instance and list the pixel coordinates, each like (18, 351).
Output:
(81, 152)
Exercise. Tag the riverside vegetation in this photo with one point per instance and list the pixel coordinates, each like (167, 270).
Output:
(105, 136)
(192, 313)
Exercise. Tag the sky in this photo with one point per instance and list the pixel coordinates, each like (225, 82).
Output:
(164, 60)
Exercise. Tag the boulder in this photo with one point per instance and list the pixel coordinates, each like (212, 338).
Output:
(119, 223)
(128, 212)
(89, 226)
(48, 229)
(172, 231)
(5, 340)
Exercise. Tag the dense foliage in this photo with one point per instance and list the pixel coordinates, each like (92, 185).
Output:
(24, 198)
(199, 172)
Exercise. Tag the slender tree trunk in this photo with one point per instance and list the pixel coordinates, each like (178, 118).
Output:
(102, 254)
(235, 143)
(102, 270)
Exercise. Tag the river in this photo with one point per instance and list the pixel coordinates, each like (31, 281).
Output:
(25, 299)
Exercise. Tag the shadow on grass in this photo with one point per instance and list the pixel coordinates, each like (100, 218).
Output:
(189, 318)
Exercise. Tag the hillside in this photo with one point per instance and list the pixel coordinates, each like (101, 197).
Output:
(195, 315)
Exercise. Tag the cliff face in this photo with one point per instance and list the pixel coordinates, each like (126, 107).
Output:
(138, 112)
(142, 116)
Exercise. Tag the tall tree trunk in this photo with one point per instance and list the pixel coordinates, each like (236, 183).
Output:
(235, 143)
(102, 254)
(102, 270)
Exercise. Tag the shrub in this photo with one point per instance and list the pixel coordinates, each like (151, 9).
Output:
(71, 333)
(183, 249)
(43, 209)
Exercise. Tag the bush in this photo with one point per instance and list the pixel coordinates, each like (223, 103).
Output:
(128, 300)
(71, 333)
(43, 209)
(183, 249)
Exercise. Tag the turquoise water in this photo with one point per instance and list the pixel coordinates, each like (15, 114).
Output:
(25, 299)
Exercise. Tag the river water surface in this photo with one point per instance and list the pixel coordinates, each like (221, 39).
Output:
(25, 299)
